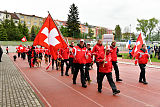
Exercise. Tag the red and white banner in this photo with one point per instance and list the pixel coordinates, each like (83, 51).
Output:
(24, 39)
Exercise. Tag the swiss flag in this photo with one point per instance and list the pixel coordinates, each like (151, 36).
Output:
(137, 46)
(50, 37)
(24, 39)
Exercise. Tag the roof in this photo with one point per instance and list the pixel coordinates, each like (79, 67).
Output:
(29, 15)
(14, 16)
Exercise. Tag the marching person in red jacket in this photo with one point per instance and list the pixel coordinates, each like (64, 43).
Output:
(64, 59)
(88, 63)
(114, 52)
(105, 69)
(142, 58)
(98, 48)
(7, 50)
(80, 53)
(71, 57)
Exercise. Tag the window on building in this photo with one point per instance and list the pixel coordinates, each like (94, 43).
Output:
(22, 17)
(22, 22)
(7, 16)
(35, 18)
(28, 17)
(29, 22)
(35, 23)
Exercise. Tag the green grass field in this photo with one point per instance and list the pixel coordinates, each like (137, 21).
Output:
(15, 43)
(126, 56)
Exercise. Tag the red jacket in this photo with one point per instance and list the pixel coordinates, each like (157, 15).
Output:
(142, 57)
(80, 54)
(46, 51)
(41, 50)
(70, 51)
(97, 49)
(108, 63)
(113, 53)
(89, 53)
(20, 49)
(64, 53)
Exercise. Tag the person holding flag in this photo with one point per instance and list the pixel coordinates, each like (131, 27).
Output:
(50, 37)
(142, 59)
(105, 69)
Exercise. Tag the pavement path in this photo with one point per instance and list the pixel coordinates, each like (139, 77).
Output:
(14, 89)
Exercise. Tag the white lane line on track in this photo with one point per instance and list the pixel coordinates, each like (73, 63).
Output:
(73, 89)
(148, 105)
(32, 85)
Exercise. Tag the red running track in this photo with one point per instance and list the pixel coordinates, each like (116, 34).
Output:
(58, 91)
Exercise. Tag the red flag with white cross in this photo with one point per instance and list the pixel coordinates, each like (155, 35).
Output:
(137, 46)
(50, 37)
(24, 39)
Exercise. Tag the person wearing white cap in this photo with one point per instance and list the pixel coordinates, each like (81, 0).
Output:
(80, 52)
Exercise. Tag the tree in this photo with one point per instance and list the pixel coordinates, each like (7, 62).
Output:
(142, 26)
(151, 25)
(33, 34)
(118, 34)
(25, 31)
(3, 34)
(73, 22)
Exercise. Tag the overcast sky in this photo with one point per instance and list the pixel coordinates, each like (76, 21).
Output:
(106, 13)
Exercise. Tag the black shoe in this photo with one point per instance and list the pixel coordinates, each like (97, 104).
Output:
(74, 82)
(116, 92)
(99, 90)
(61, 74)
(84, 85)
(66, 74)
(57, 69)
(145, 82)
(140, 81)
(118, 80)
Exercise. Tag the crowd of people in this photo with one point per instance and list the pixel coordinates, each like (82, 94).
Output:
(80, 57)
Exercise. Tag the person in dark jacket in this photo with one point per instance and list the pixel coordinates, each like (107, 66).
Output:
(1, 52)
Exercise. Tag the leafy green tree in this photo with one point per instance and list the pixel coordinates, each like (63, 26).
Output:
(3, 34)
(33, 34)
(151, 25)
(118, 34)
(73, 22)
(142, 26)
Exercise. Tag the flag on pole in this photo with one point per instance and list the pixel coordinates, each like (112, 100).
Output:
(137, 46)
(50, 37)
(24, 39)
(128, 44)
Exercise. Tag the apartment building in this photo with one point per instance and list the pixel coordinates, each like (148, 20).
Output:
(30, 20)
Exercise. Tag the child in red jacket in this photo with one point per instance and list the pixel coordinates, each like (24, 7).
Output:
(105, 68)
(142, 58)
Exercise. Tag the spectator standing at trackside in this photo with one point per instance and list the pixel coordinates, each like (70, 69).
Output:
(1, 52)
(142, 59)
(159, 53)
(114, 60)
(156, 51)
(7, 50)
(151, 52)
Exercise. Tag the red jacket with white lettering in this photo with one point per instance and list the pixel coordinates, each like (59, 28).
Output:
(142, 57)
(108, 63)
(89, 54)
(64, 53)
(80, 54)
(97, 49)
(113, 53)
(70, 51)
(20, 49)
